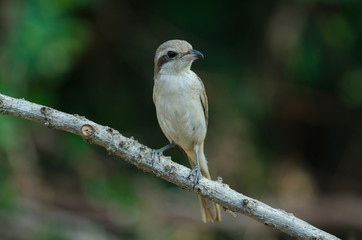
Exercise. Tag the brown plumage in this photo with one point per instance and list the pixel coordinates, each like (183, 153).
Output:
(182, 110)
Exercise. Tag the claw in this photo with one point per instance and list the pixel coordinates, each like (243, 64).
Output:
(197, 176)
(158, 152)
(196, 169)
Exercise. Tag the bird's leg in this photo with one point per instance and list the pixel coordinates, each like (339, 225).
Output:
(158, 152)
(196, 169)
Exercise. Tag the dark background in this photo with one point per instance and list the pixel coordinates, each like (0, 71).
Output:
(284, 82)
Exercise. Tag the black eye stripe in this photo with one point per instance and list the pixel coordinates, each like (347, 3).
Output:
(162, 60)
(166, 58)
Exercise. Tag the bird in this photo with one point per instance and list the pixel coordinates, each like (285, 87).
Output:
(182, 111)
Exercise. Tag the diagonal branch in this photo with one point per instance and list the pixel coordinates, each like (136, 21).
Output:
(139, 155)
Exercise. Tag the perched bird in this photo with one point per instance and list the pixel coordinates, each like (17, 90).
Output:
(182, 110)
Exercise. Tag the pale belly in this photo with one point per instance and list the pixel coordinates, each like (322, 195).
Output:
(181, 119)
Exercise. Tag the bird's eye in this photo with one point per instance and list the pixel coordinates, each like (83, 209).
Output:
(171, 54)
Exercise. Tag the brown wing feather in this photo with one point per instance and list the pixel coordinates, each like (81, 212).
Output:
(154, 91)
(203, 99)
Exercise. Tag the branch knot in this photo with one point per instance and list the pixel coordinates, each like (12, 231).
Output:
(87, 131)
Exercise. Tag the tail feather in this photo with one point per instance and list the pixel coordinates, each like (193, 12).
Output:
(210, 211)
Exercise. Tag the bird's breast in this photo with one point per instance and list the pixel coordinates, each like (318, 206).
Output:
(179, 109)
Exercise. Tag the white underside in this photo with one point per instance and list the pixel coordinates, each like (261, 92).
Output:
(179, 109)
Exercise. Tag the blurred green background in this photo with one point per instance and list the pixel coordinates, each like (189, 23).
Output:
(284, 81)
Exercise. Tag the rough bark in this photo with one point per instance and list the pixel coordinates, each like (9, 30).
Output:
(140, 155)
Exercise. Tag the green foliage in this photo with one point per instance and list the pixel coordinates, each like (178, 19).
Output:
(42, 44)
(351, 88)
(296, 98)
(306, 64)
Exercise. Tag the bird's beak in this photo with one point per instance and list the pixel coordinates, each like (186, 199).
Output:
(192, 54)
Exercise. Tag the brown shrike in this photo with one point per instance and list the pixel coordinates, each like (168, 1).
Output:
(182, 110)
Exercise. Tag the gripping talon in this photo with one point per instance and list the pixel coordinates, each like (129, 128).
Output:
(155, 154)
(158, 152)
(196, 169)
(197, 176)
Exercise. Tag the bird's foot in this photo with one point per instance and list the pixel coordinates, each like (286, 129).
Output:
(197, 176)
(156, 153)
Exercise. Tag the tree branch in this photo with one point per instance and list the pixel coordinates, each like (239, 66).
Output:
(140, 155)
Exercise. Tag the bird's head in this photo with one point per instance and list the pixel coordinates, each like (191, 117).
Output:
(174, 56)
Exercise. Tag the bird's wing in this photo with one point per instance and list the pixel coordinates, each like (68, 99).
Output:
(203, 99)
(154, 90)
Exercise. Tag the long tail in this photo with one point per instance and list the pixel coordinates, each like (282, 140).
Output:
(210, 211)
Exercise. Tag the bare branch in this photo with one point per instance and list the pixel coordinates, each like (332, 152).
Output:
(139, 155)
